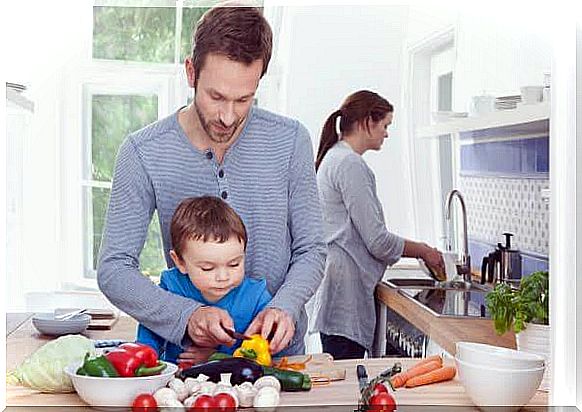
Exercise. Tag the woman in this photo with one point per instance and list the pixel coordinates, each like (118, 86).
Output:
(359, 245)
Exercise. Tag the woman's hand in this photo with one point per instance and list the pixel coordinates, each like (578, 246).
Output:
(433, 258)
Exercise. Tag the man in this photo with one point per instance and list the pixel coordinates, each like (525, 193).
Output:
(259, 162)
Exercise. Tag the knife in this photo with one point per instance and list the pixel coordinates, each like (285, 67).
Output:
(362, 377)
(235, 335)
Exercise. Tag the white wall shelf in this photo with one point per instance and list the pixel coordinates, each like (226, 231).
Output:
(526, 119)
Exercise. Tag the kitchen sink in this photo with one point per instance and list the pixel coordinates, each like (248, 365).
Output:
(426, 283)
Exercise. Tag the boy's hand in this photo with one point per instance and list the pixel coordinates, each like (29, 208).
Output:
(195, 354)
(206, 327)
(276, 321)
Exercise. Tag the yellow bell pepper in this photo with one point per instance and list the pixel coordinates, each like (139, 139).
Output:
(256, 348)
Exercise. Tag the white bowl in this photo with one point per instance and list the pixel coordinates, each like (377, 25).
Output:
(47, 324)
(117, 392)
(498, 357)
(488, 386)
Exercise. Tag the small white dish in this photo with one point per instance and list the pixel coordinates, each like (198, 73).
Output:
(47, 324)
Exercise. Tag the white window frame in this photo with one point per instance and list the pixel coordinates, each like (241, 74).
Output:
(110, 78)
(424, 154)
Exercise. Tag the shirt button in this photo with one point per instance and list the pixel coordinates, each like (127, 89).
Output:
(209, 155)
(224, 195)
(221, 173)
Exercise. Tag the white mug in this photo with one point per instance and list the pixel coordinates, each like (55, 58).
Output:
(531, 94)
(482, 104)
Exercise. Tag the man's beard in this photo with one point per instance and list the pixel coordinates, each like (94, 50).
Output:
(217, 137)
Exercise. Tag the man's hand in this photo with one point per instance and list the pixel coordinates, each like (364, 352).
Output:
(206, 327)
(195, 354)
(276, 321)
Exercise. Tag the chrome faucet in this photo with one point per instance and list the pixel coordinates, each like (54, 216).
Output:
(464, 265)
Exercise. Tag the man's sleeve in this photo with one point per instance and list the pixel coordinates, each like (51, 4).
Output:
(146, 336)
(308, 249)
(129, 213)
(264, 299)
(365, 211)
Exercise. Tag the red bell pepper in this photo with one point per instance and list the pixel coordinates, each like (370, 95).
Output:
(128, 364)
(145, 353)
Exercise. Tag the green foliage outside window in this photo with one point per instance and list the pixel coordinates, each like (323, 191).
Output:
(143, 34)
(113, 118)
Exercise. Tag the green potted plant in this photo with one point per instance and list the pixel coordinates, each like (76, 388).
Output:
(521, 307)
(526, 311)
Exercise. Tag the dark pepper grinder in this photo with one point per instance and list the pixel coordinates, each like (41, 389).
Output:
(510, 262)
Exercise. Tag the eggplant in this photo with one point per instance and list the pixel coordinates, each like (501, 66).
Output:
(241, 369)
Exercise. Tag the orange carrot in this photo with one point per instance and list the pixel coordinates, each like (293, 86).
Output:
(421, 368)
(428, 359)
(442, 374)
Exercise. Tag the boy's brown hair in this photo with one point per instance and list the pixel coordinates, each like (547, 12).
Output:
(205, 218)
(240, 33)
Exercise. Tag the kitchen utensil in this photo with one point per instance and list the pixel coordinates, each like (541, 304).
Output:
(107, 343)
(235, 335)
(502, 265)
(362, 377)
(116, 392)
(70, 315)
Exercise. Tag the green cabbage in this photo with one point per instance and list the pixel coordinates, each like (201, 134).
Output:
(44, 369)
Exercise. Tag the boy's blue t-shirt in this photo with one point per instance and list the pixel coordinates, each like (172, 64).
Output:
(242, 304)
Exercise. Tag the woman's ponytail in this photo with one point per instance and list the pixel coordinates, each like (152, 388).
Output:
(329, 137)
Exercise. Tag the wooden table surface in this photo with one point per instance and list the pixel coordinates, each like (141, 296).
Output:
(444, 330)
(340, 395)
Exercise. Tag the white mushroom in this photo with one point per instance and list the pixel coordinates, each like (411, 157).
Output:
(245, 394)
(267, 399)
(189, 402)
(207, 388)
(225, 378)
(201, 378)
(175, 404)
(265, 381)
(180, 388)
(165, 395)
(192, 385)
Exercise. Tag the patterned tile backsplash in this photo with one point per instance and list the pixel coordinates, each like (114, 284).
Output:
(496, 205)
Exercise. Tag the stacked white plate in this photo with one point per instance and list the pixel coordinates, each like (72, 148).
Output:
(507, 102)
(495, 376)
(47, 324)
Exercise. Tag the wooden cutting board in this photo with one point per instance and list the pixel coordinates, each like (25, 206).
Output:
(320, 366)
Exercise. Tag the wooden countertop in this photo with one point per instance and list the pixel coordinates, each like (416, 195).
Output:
(25, 340)
(445, 331)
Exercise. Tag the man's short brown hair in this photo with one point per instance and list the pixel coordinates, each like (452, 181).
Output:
(205, 218)
(240, 33)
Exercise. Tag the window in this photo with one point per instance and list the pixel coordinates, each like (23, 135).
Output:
(135, 77)
(112, 118)
(128, 43)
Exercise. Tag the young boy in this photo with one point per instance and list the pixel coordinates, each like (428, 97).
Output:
(209, 241)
